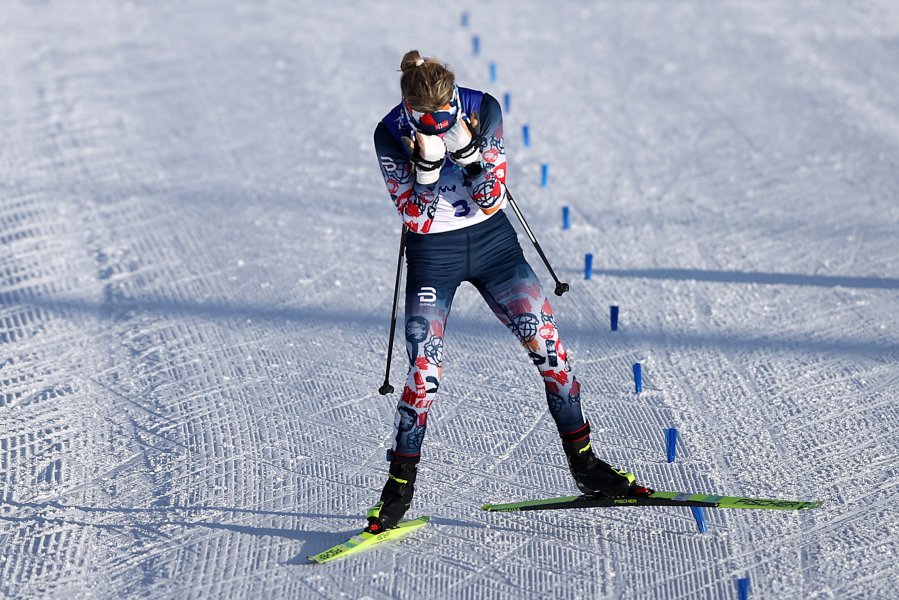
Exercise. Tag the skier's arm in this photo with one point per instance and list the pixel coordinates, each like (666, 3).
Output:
(487, 177)
(415, 202)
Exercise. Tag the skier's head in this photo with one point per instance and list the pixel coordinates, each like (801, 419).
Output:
(430, 96)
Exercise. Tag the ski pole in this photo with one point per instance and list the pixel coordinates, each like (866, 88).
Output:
(386, 388)
(561, 287)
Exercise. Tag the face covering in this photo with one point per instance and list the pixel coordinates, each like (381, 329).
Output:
(437, 121)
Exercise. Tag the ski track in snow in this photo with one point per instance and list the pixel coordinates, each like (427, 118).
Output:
(197, 269)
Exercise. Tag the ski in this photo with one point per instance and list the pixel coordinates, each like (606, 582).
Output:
(365, 540)
(653, 499)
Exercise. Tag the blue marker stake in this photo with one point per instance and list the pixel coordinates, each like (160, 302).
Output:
(526, 135)
(566, 220)
(671, 445)
(544, 175)
(588, 266)
(493, 72)
(465, 19)
(638, 377)
(613, 316)
(699, 515)
(507, 101)
(743, 588)
(476, 45)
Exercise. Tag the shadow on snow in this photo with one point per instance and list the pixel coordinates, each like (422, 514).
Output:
(874, 283)
(469, 323)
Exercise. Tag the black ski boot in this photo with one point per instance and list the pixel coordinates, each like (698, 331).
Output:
(593, 476)
(395, 498)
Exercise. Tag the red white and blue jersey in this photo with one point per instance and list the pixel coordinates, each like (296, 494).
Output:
(456, 200)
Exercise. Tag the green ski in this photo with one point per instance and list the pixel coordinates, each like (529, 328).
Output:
(365, 540)
(652, 499)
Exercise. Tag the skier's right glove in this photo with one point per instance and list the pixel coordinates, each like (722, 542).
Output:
(428, 154)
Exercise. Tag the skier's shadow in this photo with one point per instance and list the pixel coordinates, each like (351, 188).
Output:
(315, 542)
(756, 277)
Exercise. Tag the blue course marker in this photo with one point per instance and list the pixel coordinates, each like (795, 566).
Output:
(526, 135)
(699, 515)
(743, 588)
(465, 19)
(638, 377)
(507, 101)
(671, 436)
(493, 72)
(588, 266)
(613, 317)
(544, 175)
(566, 218)
(475, 45)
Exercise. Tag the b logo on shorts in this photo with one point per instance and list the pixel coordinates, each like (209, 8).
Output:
(427, 295)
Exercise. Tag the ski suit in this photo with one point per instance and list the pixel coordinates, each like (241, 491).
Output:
(456, 231)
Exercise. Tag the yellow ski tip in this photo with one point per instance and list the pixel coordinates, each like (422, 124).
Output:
(365, 540)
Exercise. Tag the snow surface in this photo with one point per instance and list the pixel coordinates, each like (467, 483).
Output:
(197, 270)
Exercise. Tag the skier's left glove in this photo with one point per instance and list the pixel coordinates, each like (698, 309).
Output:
(461, 145)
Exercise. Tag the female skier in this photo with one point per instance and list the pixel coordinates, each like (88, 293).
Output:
(442, 157)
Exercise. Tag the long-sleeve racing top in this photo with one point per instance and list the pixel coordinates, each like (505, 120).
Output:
(460, 198)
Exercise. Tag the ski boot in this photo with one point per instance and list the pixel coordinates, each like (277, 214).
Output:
(395, 498)
(593, 476)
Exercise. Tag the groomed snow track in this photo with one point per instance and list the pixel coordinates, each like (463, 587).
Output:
(197, 266)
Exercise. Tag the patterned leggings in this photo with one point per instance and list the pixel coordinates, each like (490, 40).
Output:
(488, 256)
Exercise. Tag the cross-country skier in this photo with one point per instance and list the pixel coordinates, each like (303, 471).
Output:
(442, 157)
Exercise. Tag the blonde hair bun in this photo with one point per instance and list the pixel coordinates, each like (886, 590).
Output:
(426, 83)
